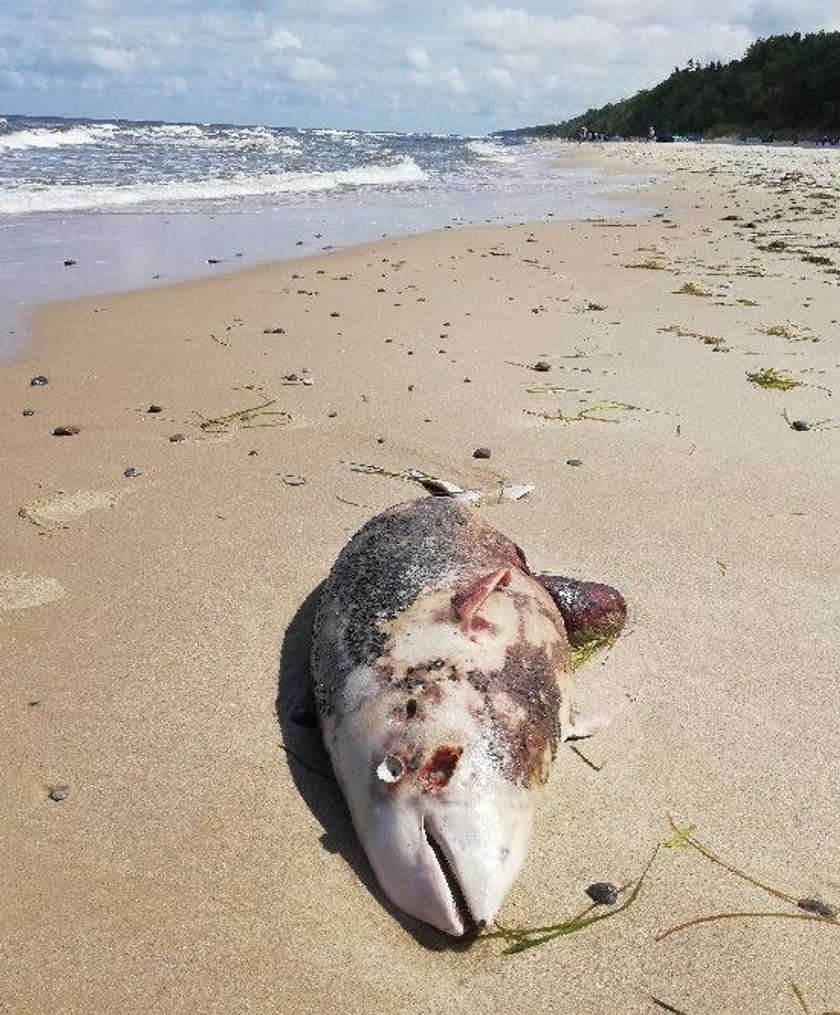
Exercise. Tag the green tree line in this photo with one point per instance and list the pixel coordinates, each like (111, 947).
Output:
(784, 86)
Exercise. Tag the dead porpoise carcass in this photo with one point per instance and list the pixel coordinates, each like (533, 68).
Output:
(440, 669)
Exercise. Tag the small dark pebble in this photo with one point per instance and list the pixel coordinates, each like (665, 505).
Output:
(69, 262)
(65, 431)
(176, 438)
(574, 461)
(252, 453)
(39, 381)
(541, 366)
(332, 415)
(334, 313)
(595, 306)
(380, 440)
(214, 260)
(155, 408)
(818, 907)
(131, 472)
(29, 412)
(274, 331)
(603, 893)
(481, 453)
(467, 380)
(34, 702)
(59, 793)
(800, 424)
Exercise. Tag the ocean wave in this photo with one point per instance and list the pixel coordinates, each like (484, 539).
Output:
(490, 150)
(56, 137)
(66, 197)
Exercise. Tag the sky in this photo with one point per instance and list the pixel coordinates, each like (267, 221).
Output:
(435, 65)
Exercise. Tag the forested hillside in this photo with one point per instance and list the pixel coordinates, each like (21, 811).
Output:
(785, 86)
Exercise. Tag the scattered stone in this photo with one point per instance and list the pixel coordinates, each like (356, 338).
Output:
(69, 262)
(818, 907)
(603, 893)
(595, 306)
(59, 793)
(252, 453)
(274, 331)
(332, 415)
(574, 461)
(39, 381)
(155, 408)
(800, 424)
(334, 313)
(481, 453)
(380, 440)
(541, 366)
(28, 412)
(131, 472)
(66, 431)
(468, 380)
(214, 260)
(176, 438)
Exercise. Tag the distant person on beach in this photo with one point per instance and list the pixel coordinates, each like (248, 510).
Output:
(651, 134)
(584, 133)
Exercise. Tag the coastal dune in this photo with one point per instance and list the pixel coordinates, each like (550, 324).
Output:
(172, 838)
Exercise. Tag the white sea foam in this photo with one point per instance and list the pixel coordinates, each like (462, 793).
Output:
(490, 150)
(57, 137)
(66, 197)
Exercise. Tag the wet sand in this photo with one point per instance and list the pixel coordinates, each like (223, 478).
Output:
(147, 623)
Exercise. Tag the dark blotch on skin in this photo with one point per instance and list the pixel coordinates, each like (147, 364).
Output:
(527, 681)
(590, 610)
(399, 555)
(411, 708)
(437, 771)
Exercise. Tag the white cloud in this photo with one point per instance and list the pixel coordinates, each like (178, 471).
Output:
(109, 58)
(417, 58)
(502, 78)
(307, 70)
(281, 39)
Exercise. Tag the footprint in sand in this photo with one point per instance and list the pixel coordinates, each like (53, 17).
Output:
(64, 507)
(20, 591)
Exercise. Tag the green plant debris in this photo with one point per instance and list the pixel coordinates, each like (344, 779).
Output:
(722, 566)
(715, 341)
(520, 940)
(746, 302)
(680, 837)
(651, 264)
(246, 419)
(554, 389)
(731, 218)
(815, 910)
(788, 331)
(745, 915)
(693, 289)
(769, 377)
(816, 259)
(581, 654)
(588, 414)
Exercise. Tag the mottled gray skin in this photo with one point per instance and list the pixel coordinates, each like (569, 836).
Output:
(409, 551)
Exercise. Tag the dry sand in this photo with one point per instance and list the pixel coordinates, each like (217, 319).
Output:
(195, 866)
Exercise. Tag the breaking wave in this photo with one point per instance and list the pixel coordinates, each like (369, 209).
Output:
(69, 197)
(56, 137)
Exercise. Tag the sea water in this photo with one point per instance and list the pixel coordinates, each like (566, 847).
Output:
(142, 203)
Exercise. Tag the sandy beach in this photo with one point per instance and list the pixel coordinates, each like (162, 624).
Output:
(153, 626)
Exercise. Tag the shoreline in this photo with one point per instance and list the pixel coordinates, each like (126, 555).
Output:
(194, 863)
(120, 252)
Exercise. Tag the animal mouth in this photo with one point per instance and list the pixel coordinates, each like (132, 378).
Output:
(459, 901)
